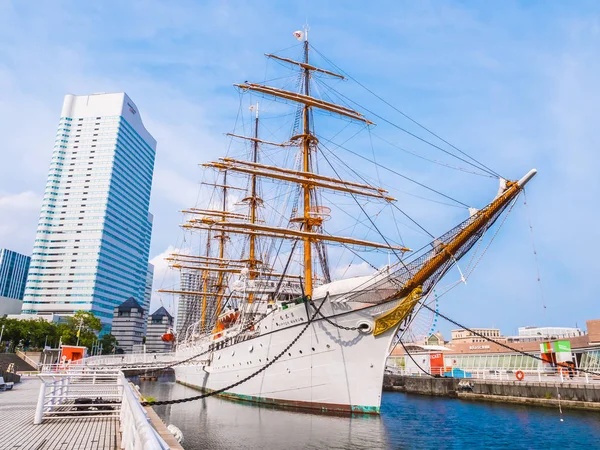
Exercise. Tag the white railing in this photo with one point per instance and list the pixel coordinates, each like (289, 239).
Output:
(76, 393)
(136, 431)
(131, 358)
(83, 393)
(540, 375)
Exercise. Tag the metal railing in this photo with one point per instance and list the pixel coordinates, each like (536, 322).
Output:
(136, 431)
(554, 374)
(143, 359)
(78, 392)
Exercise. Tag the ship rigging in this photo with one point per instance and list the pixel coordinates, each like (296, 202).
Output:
(271, 270)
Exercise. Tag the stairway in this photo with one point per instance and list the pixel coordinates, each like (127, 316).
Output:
(20, 365)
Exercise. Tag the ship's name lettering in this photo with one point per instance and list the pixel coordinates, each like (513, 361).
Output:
(289, 322)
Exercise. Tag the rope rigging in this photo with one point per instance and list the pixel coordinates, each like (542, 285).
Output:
(477, 164)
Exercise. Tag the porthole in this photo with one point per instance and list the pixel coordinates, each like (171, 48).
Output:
(313, 349)
(300, 351)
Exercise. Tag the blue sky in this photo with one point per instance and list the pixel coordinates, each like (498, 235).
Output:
(515, 84)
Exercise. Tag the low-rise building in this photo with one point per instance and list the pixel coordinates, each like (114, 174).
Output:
(128, 325)
(159, 323)
(467, 336)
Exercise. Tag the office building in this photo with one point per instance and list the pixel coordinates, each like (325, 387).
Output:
(13, 275)
(93, 237)
(128, 325)
(189, 310)
(159, 323)
(148, 293)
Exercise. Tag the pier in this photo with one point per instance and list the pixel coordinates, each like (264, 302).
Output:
(79, 409)
(576, 394)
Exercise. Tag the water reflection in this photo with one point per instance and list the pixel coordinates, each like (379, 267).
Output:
(406, 421)
(224, 424)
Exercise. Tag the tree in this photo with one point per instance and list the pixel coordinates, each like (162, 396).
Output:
(108, 342)
(84, 323)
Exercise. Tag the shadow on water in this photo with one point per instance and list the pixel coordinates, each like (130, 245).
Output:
(406, 421)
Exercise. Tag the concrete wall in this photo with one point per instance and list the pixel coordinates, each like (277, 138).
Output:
(576, 392)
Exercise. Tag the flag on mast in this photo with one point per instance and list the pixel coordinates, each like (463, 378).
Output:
(299, 35)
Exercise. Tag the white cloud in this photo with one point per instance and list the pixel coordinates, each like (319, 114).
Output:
(18, 220)
(352, 270)
(164, 278)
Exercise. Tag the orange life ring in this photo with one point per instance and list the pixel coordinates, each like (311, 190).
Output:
(520, 375)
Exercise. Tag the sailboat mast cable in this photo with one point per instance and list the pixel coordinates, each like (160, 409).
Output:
(487, 169)
(433, 161)
(322, 138)
(537, 264)
(392, 203)
(364, 108)
(365, 213)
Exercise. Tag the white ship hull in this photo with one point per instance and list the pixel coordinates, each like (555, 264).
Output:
(328, 368)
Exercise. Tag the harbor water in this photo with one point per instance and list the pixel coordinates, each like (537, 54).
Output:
(406, 422)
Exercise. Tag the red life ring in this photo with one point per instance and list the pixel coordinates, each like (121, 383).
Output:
(520, 375)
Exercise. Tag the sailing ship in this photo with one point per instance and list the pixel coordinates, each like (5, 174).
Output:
(266, 321)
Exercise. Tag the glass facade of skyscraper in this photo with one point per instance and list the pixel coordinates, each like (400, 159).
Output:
(13, 273)
(93, 238)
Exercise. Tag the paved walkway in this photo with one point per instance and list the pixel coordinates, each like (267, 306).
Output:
(17, 431)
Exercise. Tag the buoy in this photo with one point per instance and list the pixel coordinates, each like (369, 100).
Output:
(520, 375)
(176, 432)
(168, 337)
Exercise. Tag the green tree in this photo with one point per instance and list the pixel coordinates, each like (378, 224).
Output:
(34, 334)
(108, 342)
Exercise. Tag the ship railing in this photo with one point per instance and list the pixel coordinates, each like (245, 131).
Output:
(90, 394)
(540, 374)
(116, 361)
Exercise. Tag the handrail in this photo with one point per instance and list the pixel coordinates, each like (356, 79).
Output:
(137, 432)
(118, 398)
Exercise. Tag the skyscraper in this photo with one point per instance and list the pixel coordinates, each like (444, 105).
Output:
(189, 309)
(93, 237)
(189, 305)
(13, 274)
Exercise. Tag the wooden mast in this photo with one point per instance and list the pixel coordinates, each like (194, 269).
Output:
(222, 238)
(205, 284)
(306, 166)
(253, 206)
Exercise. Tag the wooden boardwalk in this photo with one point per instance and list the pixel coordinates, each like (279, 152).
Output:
(17, 431)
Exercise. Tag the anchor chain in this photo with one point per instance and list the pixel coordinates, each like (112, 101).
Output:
(332, 323)
(243, 380)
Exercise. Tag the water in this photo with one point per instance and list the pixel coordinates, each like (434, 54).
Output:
(406, 422)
